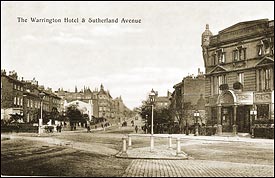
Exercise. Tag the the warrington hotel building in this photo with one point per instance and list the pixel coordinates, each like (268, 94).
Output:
(239, 64)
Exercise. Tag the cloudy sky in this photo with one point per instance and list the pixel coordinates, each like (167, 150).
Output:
(128, 59)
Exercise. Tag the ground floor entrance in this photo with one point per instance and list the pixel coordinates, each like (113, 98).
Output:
(243, 119)
(227, 118)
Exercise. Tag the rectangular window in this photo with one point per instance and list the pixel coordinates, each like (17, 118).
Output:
(264, 79)
(28, 103)
(214, 59)
(215, 83)
(221, 80)
(239, 53)
(241, 77)
(262, 111)
(14, 86)
(31, 103)
(219, 84)
(14, 100)
(235, 55)
(267, 79)
(21, 101)
(220, 56)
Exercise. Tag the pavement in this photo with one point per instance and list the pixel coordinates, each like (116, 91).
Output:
(164, 161)
(195, 168)
(163, 152)
(158, 153)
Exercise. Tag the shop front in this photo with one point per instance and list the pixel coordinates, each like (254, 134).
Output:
(233, 109)
(264, 102)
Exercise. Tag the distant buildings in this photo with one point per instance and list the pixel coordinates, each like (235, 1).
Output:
(188, 97)
(22, 98)
(162, 101)
(239, 65)
(100, 100)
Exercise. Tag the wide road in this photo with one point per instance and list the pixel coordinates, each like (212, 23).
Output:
(79, 153)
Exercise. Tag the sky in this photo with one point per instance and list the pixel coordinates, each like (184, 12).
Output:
(128, 59)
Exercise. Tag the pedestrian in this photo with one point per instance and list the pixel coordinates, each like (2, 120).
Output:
(88, 128)
(60, 128)
(57, 128)
(136, 128)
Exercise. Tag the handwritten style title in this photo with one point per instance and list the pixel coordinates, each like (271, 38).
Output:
(77, 20)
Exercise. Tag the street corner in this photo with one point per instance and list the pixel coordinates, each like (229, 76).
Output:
(157, 154)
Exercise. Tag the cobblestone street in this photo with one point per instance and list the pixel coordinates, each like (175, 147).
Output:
(195, 168)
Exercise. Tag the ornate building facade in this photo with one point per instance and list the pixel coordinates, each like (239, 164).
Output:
(101, 101)
(239, 67)
(22, 97)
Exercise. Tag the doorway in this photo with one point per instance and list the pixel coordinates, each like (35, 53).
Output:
(243, 120)
(227, 118)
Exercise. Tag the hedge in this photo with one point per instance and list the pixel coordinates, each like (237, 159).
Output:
(264, 132)
(19, 128)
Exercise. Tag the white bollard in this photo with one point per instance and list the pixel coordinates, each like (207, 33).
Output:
(178, 146)
(170, 141)
(129, 142)
(152, 142)
(124, 145)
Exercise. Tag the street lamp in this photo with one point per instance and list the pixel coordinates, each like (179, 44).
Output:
(253, 113)
(152, 100)
(146, 124)
(196, 115)
(40, 121)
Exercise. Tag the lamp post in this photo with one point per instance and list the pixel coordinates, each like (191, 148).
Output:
(196, 115)
(146, 124)
(152, 100)
(253, 113)
(40, 120)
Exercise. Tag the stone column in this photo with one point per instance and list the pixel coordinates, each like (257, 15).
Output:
(178, 146)
(170, 142)
(124, 145)
(235, 126)
(152, 143)
(219, 117)
(129, 142)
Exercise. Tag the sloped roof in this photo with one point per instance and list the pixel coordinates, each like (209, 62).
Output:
(244, 24)
(218, 68)
(265, 60)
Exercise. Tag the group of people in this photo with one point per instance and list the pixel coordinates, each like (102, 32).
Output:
(59, 128)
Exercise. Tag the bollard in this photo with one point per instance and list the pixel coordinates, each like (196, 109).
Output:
(178, 146)
(152, 143)
(170, 141)
(219, 130)
(196, 130)
(124, 145)
(129, 142)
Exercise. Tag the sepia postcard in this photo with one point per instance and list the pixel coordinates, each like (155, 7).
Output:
(137, 89)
